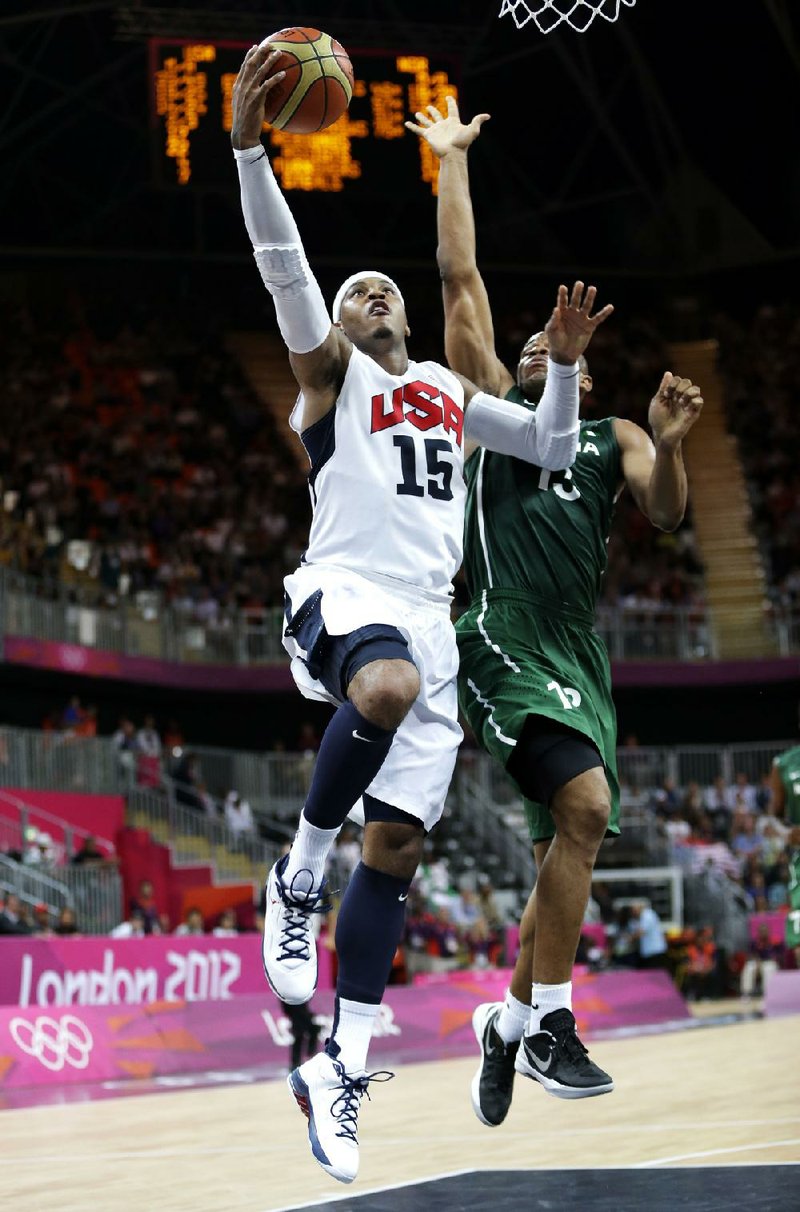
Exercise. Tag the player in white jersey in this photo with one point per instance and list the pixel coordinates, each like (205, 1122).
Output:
(368, 612)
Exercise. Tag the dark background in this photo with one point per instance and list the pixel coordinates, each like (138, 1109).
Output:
(657, 156)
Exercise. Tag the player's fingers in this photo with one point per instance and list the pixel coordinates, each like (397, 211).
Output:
(269, 82)
(562, 298)
(412, 126)
(479, 120)
(603, 314)
(577, 295)
(666, 380)
(682, 385)
(266, 67)
(434, 113)
(452, 106)
(588, 300)
(423, 119)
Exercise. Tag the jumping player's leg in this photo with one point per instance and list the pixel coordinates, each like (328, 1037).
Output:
(373, 675)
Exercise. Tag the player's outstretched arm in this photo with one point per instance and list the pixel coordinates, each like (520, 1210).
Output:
(318, 351)
(468, 330)
(654, 471)
(548, 437)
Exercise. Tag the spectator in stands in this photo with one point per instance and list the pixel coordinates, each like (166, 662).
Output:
(239, 815)
(743, 794)
(41, 925)
(625, 944)
(744, 838)
(144, 903)
(717, 802)
(89, 853)
(124, 741)
(192, 923)
(667, 800)
(148, 754)
(226, 926)
(12, 916)
(466, 912)
(186, 775)
(779, 885)
(72, 714)
(764, 958)
(132, 927)
(67, 923)
(701, 981)
(488, 906)
(649, 934)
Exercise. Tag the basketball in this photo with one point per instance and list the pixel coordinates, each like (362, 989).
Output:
(318, 84)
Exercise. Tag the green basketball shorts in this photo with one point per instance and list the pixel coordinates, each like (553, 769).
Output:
(518, 657)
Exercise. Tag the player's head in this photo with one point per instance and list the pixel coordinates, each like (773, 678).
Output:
(532, 368)
(369, 308)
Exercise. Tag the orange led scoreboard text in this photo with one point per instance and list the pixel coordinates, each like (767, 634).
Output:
(192, 83)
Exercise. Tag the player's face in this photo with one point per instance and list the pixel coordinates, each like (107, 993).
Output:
(373, 312)
(532, 368)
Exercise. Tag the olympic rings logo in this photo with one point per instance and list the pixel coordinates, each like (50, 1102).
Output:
(54, 1042)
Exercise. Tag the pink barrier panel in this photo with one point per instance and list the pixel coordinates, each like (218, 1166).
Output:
(96, 662)
(783, 994)
(101, 971)
(91, 1043)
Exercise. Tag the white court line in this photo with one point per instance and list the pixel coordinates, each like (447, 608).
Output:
(221, 1150)
(335, 1199)
(679, 1157)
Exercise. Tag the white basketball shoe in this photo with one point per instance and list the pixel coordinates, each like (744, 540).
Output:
(330, 1099)
(289, 948)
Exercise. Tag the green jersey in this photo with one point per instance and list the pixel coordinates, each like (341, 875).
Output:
(788, 767)
(542, 531)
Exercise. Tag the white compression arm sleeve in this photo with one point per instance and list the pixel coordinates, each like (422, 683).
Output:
(302, 316)
(547, 437)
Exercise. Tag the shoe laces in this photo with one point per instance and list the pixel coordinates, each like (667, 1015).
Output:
(295, 938)
(566, 1036)
(344, 1107)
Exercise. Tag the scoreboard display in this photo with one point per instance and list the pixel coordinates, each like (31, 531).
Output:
(191, 88)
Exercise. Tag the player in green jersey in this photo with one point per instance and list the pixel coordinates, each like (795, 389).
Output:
(785, 784)
(535, 681)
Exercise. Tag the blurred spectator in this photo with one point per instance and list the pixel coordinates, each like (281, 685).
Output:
(89, 852)
(12, 916)
(649, 934)
(67, 923)
(239, 815)
(132, 927)
(144, 904)
(124, 741)
(226, 926)
(743, 794)
(148, 754)
(701, 980)
(764, 958)
(465, 913)
(193, 922)
(42, 926)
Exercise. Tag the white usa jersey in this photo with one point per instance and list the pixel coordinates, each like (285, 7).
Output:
(387, 474)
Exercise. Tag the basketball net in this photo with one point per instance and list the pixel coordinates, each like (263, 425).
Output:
(548, 14)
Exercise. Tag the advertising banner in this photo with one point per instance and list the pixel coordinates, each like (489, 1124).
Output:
(102, 971)
(251, 1035)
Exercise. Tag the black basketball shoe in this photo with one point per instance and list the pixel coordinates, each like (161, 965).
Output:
(556, 1057)
(493, 1084)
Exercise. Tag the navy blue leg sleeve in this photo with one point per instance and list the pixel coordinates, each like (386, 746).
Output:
(368, 930)
(351, 754)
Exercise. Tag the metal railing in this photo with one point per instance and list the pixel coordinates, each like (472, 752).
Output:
(144, 625)
(66, 834)
(94, 893)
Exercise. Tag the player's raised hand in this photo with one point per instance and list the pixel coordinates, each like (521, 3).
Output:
(445, 132)
(674, 409)
(572, 325)
(250, 90)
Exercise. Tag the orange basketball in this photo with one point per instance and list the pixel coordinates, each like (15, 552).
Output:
(318, 84)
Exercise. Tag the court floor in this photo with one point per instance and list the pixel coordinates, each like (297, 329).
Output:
(723, 1098)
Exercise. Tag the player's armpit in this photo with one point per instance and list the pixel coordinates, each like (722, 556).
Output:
(320, 374)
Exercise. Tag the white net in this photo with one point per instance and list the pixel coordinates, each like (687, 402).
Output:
(547, 14)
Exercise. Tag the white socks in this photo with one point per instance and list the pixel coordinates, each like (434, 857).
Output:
(309, 851)
(512, 1020)
(544, 1000)
(353, 1034)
